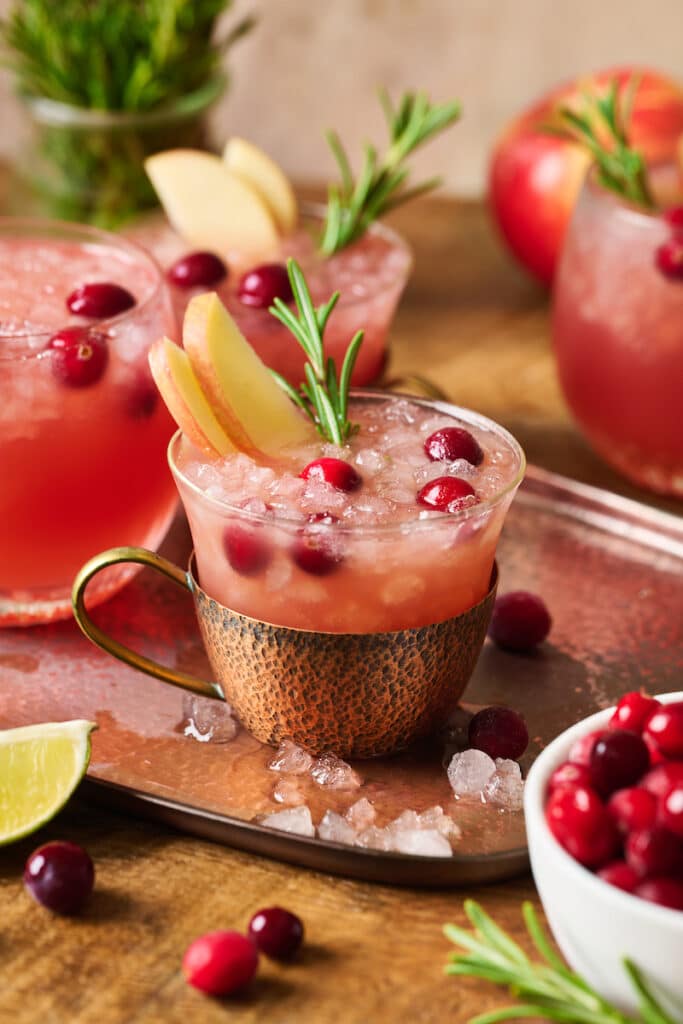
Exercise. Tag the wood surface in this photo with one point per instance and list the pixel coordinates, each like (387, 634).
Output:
(374, 955)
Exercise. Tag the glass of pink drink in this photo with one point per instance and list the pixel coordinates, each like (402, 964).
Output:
(82, 451)
(618, 336)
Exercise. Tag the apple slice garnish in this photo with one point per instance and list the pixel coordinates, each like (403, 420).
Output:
(258, 170)
(208, 205)
(249, 405)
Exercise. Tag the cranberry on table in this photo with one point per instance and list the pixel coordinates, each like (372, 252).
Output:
(632, 711)
(197, 270)
(261, 285)
(100, 299)
(665, 729)
(569, 774)
(220, 963)
(447, 494)
(499, 732)
(60, 875)
(654, 851)
(667, 892)
(520, 621)
(336, 472)
(276, 932)
(79, 356)
(617, 759)
(632, 808)
(579, 821)
(669, 258)
(619, 873)
(246, 551)
(451, 443)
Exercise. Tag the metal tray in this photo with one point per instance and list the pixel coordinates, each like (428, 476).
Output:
(610, 570)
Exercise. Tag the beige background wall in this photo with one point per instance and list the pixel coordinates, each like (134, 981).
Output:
(313, 64)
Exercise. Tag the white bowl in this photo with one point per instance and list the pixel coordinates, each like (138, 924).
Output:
(596, 924)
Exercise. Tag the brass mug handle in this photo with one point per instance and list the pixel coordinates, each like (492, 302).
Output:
(140, 556)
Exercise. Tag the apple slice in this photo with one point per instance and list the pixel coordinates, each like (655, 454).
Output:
(184, 398)
(257, 169)
(208, 205)
(249, 405)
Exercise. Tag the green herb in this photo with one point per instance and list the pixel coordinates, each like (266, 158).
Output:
(380, 186)
(602, 126)
(549, 989)
(323, 397)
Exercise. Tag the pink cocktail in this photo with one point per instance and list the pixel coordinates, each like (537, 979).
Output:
(83, 432)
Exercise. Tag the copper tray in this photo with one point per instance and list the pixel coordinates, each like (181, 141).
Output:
(610, 569)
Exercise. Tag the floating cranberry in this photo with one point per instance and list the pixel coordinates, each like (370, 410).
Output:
(665, 728)
(197, 270)
(632, 809)
(79, 356)
(632, 711)
(276, 932)
(674, 218)
(579, 821)
(335, 472)
(447, 494)
(654, 851)
(100, 299)
(671, 810)
(581, 749)
(662, 779)
(141, 399)
(499, 732)
(220, 963)
(520, 621)
(569, 774)
(316, 553)
(60, 875)
(262, 285)
(669, 258)
(618, 759)
(246, 551)
(619, 873)
(667, 892)
(451, 443)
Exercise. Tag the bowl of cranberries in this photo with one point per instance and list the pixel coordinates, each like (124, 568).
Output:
(604, 814)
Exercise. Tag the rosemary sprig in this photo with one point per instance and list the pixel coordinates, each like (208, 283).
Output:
(353, 205)
(602, 126)
(323, 396)
(549, 990)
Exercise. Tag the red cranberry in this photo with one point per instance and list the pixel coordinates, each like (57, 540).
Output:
(520, 621)
(100, 299)
(451, 443)
(674, 218)
(662, 779)
(632, 809)
(654, 851)
(335, 472)
(656, 756)
(632, 711)
(447, 494)
(665, 727)
(620, 874)
(141, 399)
(276, 932)
(671, 810)
(197, 270)
(316, 553)
(60, 875)
(220, 963)
(499, 732)
(261, 285)
(580, 823)
(618, 759)
(247, 552)
(569, 774)
(669, 258)
(580, 751)
(79, 356)
(667, 892)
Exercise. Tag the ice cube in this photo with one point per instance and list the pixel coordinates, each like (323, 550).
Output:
(208, 720)
(336, 829)
(435, 818)
(361, 814)
(288, 791)
(422, 842)
(329, 770)
(469, 771)
(374, 838)
(291, 759)
(371, 459)
(296, 820)
(505, 788)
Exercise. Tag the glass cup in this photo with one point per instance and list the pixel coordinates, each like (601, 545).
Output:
(82, 463)
(617, 328)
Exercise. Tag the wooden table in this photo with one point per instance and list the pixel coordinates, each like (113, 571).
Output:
(479, 328)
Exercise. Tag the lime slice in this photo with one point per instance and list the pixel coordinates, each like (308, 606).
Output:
(40, 767)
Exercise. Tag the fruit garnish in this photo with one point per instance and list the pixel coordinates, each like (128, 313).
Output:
(335, 472)
(197, 270)
(40, 767)
(276, 932)
(60, 876)
(220, 963)
(669, 258)
(79, 356)
(352, 206)
(451, 443)
(447, 494)
(261, 172)
(262, 285)
(99, 299)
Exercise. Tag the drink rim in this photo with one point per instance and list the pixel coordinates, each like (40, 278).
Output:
(624, 207)
(468, 416)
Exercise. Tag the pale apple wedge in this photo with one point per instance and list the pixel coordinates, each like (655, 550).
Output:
(257, 169)
(249, 405)
(180, 390)
(208, 205)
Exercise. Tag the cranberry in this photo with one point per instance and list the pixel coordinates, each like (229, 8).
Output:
(316, 553)
(220, 963)
(671, 810)
(276, 932)
(669, 258)
(60, 875)
(620, 874)
(569, 774)
(674, 218)
(499, 732)
(665, 728)
(662, 779)
(618, 759)
(197, 270)
(656, 756)
(580, 823)
(79, 356)
(261, 285)
(100, 299)
(632, 809)
(247, 552)
(451, 443)
(580, 752)
(667, 892)
(632, 711)
(654, 851)
(334, 472)
(447, 494)
(520, 621)
(141, 399)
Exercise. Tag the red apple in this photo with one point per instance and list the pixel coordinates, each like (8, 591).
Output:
(535, 177)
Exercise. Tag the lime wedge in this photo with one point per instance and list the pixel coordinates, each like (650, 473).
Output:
(40, 767)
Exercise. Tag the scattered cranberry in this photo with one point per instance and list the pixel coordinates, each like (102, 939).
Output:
(60, 875)
(669, 258)
(632, 711)
(316, 553)
(247, 552)
(665, 728)
(620, 874)
(653, 851)
(451, 443)
(632, 808)
(569, 774)
(220, 963)
(520, 621)
(581, 749)
(262, 285)
(276, 932)
(671, 811)
(499, 732)
(100, 299)
(79, 356)
(667, 892)
(197, 270)
(579, 821)
(618, 759)
(447, 494)
(674, 218)
(662, 779)
(335, 472)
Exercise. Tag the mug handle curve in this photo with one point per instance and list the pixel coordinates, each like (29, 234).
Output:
(140, 556)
